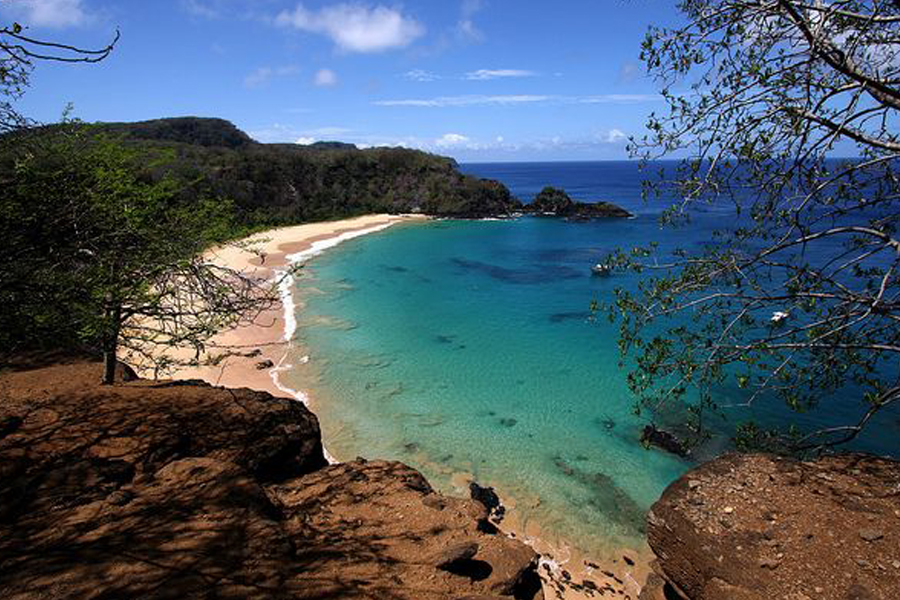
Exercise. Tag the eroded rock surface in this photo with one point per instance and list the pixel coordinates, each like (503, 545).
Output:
(757, 527)
(144, 490)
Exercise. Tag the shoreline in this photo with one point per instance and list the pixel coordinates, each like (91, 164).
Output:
(253, 356)
(239, 354)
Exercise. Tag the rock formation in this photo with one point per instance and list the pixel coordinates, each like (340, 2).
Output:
(183, 490)
(758, 527)
(651, 435)
(557, 203)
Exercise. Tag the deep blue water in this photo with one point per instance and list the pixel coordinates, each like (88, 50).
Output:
(467, 349)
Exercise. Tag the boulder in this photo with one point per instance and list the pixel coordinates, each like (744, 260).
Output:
(369, 524)
(754, 527)
(63, 414)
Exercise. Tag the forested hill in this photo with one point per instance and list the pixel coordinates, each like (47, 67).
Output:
(275, 184)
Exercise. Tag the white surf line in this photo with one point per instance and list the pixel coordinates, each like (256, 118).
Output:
(286, 293)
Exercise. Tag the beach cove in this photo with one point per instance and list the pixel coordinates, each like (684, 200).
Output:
(248, 350)
(466, 348)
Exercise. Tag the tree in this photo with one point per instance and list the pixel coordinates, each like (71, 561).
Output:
(800, 299)
(99, 248)
(18, 53)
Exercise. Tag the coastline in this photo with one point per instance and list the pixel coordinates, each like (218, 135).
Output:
(243, 350)
(253, 356)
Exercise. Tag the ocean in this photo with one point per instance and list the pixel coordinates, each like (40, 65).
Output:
(468, 350)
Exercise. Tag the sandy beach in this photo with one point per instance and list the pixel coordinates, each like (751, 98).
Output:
(248, 350)
(254, 354)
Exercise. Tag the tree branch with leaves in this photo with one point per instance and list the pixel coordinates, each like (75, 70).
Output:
(89, 227)
(799, 297)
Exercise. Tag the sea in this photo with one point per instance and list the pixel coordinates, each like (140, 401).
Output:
(468, 349)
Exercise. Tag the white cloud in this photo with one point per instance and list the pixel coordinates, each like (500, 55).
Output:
(421, 75)
(617, 98)
(449, 140)
(262, 75)
(465, 27)
(278, 132)
(325, 78)
(615, 135)
(447, 101)
(49, 13)
(500, 100)
(485, 74)
(356, 27)
(199, 9)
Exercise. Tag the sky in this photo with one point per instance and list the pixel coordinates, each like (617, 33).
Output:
(478, 80)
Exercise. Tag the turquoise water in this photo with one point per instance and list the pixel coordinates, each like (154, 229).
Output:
(467, 349)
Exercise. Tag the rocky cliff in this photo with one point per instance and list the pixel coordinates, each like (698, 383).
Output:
(758, 527)
(183, 490)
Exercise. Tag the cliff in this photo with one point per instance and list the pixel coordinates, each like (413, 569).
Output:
(758, 527)
(182, 490)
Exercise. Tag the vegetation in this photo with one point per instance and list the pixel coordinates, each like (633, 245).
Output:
(105, 224)
(280, 184)
(99, 254)
(800, 298)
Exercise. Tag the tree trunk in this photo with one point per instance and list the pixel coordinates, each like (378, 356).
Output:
(111, 345)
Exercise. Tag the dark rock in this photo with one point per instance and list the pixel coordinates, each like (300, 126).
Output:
(9, 424)
(265, 364)
(485, 495)
(652, 436)
(555, 202)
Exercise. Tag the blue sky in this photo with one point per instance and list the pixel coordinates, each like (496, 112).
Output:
(479, 80)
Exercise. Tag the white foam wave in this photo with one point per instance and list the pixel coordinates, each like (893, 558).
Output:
(285, 293)
(320, 246)
(285, 281)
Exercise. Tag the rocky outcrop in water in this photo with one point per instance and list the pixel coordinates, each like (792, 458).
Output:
(758, 527)
(651, 435)
(183, 490)
(557, 203)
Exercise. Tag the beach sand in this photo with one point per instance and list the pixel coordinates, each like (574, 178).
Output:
(254, 354)
(246, 351)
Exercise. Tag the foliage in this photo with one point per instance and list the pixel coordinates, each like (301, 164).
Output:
(281, 184)
(551, 199)
(96, 250)
(798, 298)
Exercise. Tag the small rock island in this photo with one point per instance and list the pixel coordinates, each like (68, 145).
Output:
(555, 202)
